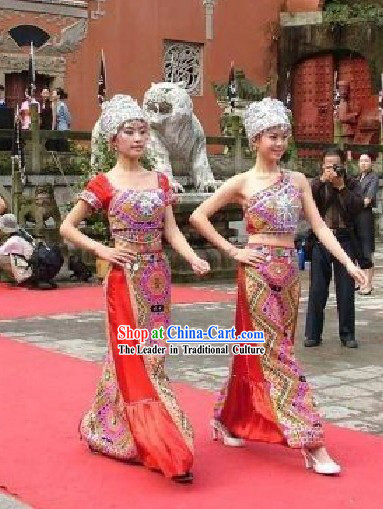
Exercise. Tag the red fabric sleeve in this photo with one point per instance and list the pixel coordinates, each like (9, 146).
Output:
(170, 199)
(97, 193)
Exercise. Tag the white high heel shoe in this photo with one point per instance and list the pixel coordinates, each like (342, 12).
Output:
(219, 431)
(325, 468)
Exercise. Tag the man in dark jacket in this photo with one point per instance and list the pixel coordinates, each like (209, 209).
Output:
(339, 199)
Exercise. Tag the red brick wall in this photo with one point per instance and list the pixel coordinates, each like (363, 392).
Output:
(303, 5)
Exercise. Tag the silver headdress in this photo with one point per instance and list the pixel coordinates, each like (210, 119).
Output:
(262, 115)
(120, 109)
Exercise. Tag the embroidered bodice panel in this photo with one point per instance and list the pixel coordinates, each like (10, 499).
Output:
(135, 216)
(138, 216)
(275, 209)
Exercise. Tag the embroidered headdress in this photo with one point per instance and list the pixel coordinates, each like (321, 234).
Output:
(262, 115)
(116, 112)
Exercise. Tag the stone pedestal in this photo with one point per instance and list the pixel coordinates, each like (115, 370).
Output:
(222, 267)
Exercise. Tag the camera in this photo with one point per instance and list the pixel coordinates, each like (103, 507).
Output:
(339, 170)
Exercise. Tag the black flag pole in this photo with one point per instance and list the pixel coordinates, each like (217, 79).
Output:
(232, 87)
(32, 72)
(102, 80)
(18, 144)
(18, 164)
(15, 136)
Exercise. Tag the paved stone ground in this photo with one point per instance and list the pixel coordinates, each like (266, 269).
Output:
(348, 382)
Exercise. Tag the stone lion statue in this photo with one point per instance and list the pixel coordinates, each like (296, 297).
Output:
(40, 208)
(175, 132)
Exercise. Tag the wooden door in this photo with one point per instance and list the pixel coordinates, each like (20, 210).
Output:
(312, 101)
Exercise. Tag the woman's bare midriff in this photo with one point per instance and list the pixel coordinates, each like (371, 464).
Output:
(135, 248)
(274, 239)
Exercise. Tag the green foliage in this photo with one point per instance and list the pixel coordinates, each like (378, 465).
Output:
(291, 153)
(247, 91)
(81, 164)
(5, 163)
(104, 158)
(341, 13)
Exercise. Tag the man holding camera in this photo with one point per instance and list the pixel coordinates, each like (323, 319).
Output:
(339, 199)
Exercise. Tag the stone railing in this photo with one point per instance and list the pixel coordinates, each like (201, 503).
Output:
(37, 148)
(235, 149)
(228, 154)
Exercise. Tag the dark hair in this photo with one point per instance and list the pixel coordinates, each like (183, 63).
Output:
(335, 152)
(2, 87)
(61, 93)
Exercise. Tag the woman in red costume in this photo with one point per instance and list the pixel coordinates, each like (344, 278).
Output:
(267, 398)
(135, 415)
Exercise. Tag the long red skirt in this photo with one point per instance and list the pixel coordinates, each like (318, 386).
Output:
(135, 415)
(267, 398)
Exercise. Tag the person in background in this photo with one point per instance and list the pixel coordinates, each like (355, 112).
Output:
(339, 199)
(47, 118)
(25, 110)
(46, 114)
(63, 116)
(364, 224)
(15, 251)
(2, 97)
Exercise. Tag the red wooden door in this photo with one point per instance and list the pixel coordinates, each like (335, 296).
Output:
(312, 100)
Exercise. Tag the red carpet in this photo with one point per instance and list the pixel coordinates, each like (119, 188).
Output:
(43, 394)
(22, 303)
